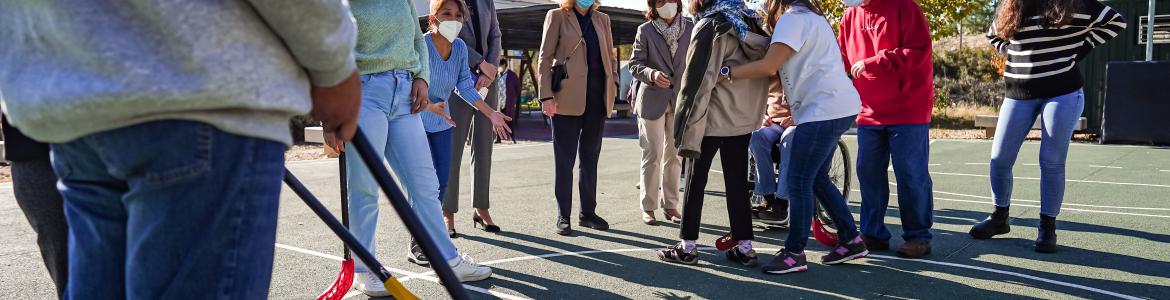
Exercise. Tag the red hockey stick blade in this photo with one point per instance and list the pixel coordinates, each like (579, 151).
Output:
(342, 284)
(824, 235)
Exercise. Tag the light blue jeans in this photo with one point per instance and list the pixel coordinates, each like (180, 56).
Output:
(387, 122)
(1058, 119)
(763, 140)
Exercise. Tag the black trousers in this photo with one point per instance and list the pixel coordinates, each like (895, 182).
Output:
(733, 152)
(35, 187)
(573, 136)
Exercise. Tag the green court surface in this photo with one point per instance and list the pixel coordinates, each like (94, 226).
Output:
(1114, 233)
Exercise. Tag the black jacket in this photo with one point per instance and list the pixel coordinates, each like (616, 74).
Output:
(18, 147)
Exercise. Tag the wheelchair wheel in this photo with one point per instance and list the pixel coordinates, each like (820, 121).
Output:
(841, 173)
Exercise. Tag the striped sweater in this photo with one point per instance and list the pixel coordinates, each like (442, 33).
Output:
(451, 74)
(1042, 61)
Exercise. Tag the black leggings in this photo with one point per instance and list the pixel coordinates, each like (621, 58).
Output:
(733, 152)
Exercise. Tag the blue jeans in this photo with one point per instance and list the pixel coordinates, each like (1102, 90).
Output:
(170, 209)
(909, 146)
(1058, 119)
(399, 135)
(440, 143)
(763, 140)
(808, 180)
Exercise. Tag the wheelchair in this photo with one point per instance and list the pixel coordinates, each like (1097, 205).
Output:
(840, 172)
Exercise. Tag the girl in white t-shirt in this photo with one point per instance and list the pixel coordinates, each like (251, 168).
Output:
(824, 104)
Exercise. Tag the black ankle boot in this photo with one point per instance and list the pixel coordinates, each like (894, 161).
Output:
(1046, 240)
(994, 225)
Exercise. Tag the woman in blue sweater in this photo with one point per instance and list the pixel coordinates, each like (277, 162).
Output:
(449, 72)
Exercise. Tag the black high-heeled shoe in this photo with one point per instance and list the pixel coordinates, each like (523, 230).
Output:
(476, 221)
(452, 234)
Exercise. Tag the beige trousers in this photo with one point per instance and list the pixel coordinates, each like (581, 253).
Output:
(660, 163)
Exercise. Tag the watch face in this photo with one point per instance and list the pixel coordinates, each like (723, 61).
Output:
(724, 70)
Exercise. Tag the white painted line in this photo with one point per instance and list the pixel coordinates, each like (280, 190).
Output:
(1168, 171)
(1061, 209)
(1069, 180)
(977, 164)
(1106, 167)
(1031, 164)
(948, 264)
(1066, 203)
(407, 274)
(1002, 272)
(933, 165)
(931, 142)
(1037, 206)
(717, 171)
(309, 252)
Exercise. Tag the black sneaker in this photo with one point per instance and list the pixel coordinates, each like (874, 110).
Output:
(846, 252)
(786, 262)
(594, 221)
(415, 254)
(676, 254)
(775, 215)
(563, 226)
(747, 259)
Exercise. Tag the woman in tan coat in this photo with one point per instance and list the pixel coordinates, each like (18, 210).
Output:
(578, 40)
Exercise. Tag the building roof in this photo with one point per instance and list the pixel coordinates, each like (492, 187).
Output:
(521, 21)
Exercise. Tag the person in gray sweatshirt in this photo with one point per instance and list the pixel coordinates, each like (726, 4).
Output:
(168, 122)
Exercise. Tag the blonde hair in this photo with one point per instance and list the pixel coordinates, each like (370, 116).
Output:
(572, 4)
(436, 5)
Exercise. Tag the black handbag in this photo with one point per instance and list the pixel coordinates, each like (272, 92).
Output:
(560, 71)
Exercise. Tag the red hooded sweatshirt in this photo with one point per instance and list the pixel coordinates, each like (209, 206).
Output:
(892, 38)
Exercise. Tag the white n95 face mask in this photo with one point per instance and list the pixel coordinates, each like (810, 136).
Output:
(450, 29)
(853, 3)
(667, 11)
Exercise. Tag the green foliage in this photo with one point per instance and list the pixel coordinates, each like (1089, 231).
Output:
(979, 63)
(943, 15)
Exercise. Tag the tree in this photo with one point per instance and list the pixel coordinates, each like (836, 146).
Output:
(944, 16)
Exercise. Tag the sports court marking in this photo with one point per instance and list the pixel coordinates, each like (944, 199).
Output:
(408, 274)
(948, 264)
(1066, 203)
(1037, 206)
(1069, 180)
(1106, 167)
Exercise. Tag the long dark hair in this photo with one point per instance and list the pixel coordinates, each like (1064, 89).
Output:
(777, 8)
(1053, 13)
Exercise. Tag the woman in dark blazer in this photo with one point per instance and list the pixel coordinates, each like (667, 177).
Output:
(578, 37)
(659, 56)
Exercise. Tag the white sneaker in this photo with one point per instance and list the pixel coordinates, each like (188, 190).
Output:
(467, 270)
(369, 284)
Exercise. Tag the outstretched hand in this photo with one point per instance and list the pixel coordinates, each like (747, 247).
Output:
(440, 109)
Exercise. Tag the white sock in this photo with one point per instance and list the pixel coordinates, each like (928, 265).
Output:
(688, 245)
(745, 246)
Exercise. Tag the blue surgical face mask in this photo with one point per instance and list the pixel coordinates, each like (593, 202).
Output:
(853, 3)
(585, 3)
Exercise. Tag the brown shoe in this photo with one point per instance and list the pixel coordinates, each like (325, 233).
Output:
(672, 215)
(914, 249)
(648, 217)
(875, 244)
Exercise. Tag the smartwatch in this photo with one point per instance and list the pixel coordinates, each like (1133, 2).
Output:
(725, 72)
